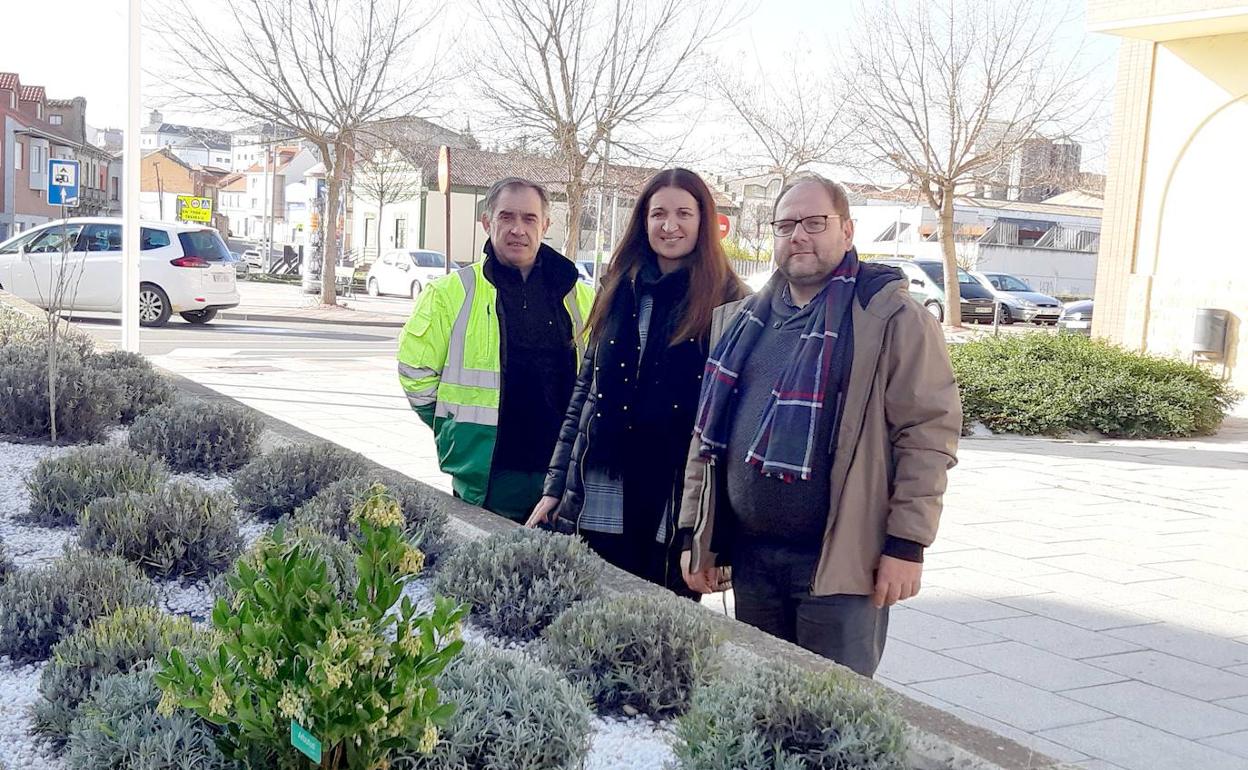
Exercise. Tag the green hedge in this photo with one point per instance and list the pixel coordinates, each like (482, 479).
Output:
(1055, 384)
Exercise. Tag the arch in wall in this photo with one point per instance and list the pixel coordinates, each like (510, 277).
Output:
(1204, 189)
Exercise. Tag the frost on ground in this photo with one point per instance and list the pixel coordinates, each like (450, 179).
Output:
(19, 689)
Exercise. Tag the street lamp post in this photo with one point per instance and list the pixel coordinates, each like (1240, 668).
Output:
(130, 205)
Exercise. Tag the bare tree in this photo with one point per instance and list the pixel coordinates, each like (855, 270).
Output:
(754, 229)
(323, 70)
(384, 176)
(569, 75)
(792, 121)
(949, 93)
(57, 294)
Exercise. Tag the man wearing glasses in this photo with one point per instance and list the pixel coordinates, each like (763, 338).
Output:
(828, 419)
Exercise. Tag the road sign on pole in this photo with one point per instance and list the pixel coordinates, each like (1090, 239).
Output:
(193, 209)
(62, 182)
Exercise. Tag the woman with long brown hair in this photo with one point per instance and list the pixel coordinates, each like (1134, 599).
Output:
(618, 467)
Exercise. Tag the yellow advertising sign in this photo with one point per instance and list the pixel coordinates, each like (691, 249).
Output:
(192, 209)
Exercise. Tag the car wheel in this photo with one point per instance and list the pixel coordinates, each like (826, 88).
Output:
(373, 289)
(154, 309)
(936, 310)
(1006, 317)
(415, 289)
(199, 317)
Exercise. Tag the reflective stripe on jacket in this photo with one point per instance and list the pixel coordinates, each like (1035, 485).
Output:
(450, 368)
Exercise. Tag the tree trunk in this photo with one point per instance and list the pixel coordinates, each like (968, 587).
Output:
(329, 249)
(576, 197)
(381, 210)
(52, 369)
(953, 297)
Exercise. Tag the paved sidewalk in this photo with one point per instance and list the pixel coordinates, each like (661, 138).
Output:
(1089, 600)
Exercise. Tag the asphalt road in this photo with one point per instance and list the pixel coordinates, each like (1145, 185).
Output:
(254, 339)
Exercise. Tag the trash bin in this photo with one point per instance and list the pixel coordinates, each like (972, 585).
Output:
(1209, 335)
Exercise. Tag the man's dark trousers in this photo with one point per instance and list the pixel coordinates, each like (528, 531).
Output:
(771, 586)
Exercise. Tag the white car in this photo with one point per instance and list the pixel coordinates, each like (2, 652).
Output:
(183, 269)
(404, 272)
(253, 259)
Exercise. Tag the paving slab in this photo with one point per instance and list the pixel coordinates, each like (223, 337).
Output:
(1234, 743)
(1056, 637)
(1186, 643)
(1014, 703)
(1134, 746)
(1033, 666)
(1236, 704)
(907, 664)
(933, 633)
(1185, 677)
(1163, 709)
(1043, 746)
(959, 607)
(1082, 613)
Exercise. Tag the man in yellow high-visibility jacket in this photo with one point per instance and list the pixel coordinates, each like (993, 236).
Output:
(489, 357)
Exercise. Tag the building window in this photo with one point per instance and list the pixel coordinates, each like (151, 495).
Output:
(370, 227)
(20, 150)
(12, 100)
(400, 233)
(39, 110)
(54, 120)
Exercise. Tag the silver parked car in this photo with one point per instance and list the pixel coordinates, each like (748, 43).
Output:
(1076, 317)
(1019, 302)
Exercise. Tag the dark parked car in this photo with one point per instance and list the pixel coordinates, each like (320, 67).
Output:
(1076, 317)
(241, 268)
(927, 285)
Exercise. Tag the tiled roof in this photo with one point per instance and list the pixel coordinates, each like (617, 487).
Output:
(481, 168)
(60, 103)
(233, 183)
(217, 140)
(8, 80)
(31, 93)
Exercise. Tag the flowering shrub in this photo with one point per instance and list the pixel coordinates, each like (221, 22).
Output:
(359, 677)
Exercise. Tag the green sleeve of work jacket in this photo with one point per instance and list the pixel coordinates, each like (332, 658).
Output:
(423, 349)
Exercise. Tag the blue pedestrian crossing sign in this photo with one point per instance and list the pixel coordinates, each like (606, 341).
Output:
(62, 182)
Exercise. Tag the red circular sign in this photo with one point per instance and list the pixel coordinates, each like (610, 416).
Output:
(724, 224)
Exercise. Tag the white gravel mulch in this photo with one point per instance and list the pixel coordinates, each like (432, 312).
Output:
(618, 743)
(19, 689)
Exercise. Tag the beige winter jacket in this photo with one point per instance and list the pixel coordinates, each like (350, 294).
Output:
(898, 438)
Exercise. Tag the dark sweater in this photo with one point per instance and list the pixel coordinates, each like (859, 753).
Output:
(538, 358)
(766, 508)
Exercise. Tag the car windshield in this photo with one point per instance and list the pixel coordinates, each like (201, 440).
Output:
(1008, 283)
(47, 240)
(428, 259)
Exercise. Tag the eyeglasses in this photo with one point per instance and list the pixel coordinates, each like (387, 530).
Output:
(812, 224)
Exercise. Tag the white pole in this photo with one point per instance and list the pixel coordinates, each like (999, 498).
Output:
(130, 204)
(897, 235)
(266, 251)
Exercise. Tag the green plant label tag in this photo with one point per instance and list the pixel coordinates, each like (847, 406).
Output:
(304, 741)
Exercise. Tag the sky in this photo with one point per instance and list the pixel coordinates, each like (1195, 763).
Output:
(82, 50)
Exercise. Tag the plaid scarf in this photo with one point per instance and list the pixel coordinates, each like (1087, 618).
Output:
(784, 441)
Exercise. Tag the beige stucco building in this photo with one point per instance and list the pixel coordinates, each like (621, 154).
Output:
(1177, 194)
